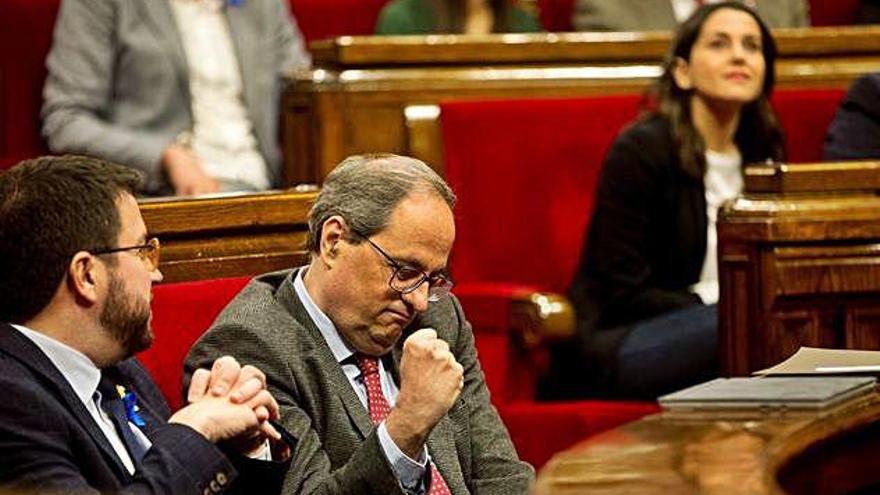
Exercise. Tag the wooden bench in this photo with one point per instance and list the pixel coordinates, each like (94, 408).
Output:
(369, 93)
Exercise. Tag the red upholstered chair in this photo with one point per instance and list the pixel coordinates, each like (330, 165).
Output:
(181, 314)
(525, 172)
(805, 115)
(556, 15)
(320, 19)
(833, 12)
(26, 31)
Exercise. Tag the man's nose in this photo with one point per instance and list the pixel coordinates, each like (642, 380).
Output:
(418, 298)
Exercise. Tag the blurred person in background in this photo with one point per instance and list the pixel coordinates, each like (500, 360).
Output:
(455, 17)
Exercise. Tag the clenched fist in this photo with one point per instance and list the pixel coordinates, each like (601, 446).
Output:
(430, 382)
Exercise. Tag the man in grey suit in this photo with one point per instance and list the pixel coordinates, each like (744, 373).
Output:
(187, 91)
(665, 15)
(371, 359)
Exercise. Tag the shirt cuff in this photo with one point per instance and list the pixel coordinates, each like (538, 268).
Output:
(262, 453)
(410, 472)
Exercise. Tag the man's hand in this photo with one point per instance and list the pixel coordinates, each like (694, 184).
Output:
(185, 172)
(223, 393)
(430, 382)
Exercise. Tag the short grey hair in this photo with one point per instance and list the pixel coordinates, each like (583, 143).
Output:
(365, 189)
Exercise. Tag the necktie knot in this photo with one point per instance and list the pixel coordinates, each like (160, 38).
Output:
(369, 365)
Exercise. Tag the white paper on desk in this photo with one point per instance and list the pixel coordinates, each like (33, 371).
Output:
(819, 361)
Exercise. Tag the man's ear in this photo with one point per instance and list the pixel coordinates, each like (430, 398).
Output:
(82, 277)
(332, 234)
(681, 72)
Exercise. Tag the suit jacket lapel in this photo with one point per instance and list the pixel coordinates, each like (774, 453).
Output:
(165, 25)
(19, 347)
(247, 51)
(321, 352)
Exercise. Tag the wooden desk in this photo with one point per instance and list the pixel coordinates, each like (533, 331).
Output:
(367, 94)
(229, 235)
(799, 267)
(719, 454)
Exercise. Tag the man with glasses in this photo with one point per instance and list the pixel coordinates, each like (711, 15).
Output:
(79, 415)
(370, 357)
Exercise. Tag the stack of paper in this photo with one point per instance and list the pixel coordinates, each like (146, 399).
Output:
(805, 392)
(816, 361)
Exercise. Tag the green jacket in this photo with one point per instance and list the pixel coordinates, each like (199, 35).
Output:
(417, 17)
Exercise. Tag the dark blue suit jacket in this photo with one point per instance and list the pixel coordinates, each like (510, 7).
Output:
(49, 442)
(854, 133)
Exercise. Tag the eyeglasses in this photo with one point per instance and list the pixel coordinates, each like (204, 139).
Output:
(407, 278)
(148, 253)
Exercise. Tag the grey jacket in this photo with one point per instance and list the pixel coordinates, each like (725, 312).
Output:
(658, 15)
(339, 451)
(118, 86)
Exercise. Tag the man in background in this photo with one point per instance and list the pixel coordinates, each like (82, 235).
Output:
(665, 15)
(187, 91)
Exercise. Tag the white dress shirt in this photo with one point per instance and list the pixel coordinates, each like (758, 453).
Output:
(222, 135)
(409, 471)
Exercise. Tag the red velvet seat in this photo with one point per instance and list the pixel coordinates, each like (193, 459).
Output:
(181, 314)
(805, 115)
(319, 19)
(525, 172)
(556, 15)
(26, 31)
(833, 12)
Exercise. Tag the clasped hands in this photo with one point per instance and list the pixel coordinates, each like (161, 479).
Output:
(230, 403)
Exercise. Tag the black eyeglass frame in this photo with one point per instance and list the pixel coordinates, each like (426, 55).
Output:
(144, 251)
(435, 292)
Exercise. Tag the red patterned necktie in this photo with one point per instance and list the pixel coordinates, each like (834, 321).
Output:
(379, 409)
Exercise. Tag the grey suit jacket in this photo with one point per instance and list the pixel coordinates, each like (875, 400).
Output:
(118, 86)
(658, 15)
(339, 452)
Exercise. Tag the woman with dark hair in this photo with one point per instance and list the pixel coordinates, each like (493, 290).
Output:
(647, 284)
(455, 17)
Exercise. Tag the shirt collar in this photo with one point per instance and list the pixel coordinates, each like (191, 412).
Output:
(328, 330)
(79, 371)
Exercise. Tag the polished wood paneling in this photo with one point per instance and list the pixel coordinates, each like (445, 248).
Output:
(799, 268)
(353, 100)
(229, 235)
(719, 453)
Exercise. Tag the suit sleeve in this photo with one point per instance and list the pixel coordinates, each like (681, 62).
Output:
(43, 448)
(855, 131)
(288, 35)
(310, 471)
(79, 89)
(618, 251)
(495, 468)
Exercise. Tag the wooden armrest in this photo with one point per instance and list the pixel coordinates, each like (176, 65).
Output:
(541, 317)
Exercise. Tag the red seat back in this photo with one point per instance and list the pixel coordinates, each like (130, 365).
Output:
(319, 19)
(805, 115)
(26, 31)
(833, 12)
(525, 172)
(182, 312)
(556, 15)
